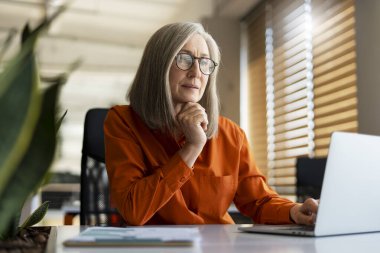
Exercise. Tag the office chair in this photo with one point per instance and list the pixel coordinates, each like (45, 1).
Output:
(95, 206)
(309, 174)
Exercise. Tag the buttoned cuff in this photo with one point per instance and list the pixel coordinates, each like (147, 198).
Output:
(176, 173)
(284, 213)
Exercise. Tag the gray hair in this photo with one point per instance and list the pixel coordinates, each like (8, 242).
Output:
(150, 95)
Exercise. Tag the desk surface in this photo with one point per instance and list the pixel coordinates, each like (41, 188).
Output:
(226, 238)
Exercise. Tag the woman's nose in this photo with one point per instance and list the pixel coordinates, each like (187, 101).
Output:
(195, 69)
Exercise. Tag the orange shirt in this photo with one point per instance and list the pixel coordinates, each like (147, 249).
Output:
(151, 184)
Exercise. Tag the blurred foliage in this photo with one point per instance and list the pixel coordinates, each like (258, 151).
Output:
(28, 129)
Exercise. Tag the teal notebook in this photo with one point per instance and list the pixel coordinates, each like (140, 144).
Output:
(135, 237)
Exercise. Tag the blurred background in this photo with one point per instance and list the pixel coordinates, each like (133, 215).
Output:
(292, 71)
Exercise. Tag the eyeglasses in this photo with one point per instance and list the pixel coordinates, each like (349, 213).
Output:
(185, 61)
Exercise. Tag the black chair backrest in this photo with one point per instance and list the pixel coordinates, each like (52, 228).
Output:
(95, 206)
(310, 172)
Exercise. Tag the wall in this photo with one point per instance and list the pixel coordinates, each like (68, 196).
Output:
(226, 32)
(368, 65)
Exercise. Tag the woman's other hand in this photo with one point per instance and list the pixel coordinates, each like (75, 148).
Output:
(305, 213)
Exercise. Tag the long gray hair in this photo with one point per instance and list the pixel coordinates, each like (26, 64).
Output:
(150, 95)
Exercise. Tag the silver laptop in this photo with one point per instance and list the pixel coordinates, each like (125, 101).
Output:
(350, 197)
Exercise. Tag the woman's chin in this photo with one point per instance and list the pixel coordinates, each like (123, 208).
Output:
(192, 99)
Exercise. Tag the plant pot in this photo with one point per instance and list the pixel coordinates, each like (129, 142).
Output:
(31, 240)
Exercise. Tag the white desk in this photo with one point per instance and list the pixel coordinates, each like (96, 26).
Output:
(226, 238)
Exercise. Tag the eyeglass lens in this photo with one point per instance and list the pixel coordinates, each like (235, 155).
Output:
(185, 62)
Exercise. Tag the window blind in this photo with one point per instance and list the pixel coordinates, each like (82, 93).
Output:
(334, 61)
(301, 83)
(257, 88)
(289, 26)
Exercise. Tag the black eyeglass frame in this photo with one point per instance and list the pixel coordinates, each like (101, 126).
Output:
(193, 60)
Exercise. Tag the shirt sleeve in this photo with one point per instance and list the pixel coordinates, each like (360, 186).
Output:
(138, 192)
(254, 197)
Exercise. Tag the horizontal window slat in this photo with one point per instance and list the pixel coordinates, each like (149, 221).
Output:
(342, 29)
(334, 42)
(290, 144)
(287, 32)
(285, 191)
(284, 163)
(291, 125)
(349, 126)
(282, 181)
(290, 80)
(325, 10)
(336, 118)
(282, 172)
(336, 74)
(289, 54)
(290, 71)
(322, 151)
(333, 53)
(291, 134)
(322, 142)
(337, 107)
(334, 64)
(324, 134)
(288, 89)
(290, 48)
(282, 63)
(330, 26)
(291, 116)
(291, 107)
(335, 96)
(290, 98)
(292, 152)
(339, 84)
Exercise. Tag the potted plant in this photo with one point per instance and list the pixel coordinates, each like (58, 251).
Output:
(28, 135)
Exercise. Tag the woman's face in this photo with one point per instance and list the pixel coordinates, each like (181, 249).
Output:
(189, 85)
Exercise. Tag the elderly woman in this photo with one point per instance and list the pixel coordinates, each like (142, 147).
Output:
(171, 158)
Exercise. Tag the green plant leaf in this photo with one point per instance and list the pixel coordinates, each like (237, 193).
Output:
(25, 33)
(19, 107)
(27, 129)
(36, 216)
(35, 163)
(19, 102)
(11, 229)
(60, 120)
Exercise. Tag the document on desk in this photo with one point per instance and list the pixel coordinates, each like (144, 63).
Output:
(135, 236)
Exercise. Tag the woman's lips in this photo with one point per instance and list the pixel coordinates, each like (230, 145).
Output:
(190, 86)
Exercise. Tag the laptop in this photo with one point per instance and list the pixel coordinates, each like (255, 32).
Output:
(350, 197)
